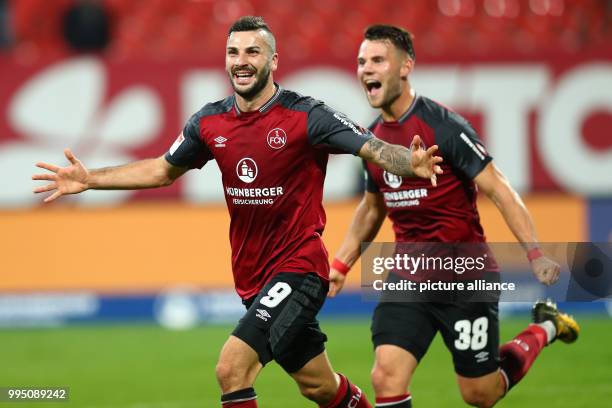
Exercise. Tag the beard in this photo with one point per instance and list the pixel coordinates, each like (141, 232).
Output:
(392, 92)
(261, 80)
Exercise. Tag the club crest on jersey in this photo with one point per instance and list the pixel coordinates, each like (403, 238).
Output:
(277, 138)
(246, 170)
(220, 141)
(392, 180)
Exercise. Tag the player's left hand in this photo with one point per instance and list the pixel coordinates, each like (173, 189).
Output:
(424, 163)
(546, 270)
(336, 282)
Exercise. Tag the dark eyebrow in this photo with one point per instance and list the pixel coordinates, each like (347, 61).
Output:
(251, 48)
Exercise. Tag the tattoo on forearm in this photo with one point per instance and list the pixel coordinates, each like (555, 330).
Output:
(393, 158)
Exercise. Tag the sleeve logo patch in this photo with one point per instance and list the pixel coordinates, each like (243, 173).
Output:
(472, 146)
(179, 140)
(481, 148)
(358, 130)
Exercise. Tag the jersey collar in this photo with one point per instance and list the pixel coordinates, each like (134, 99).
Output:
(410, 109)
(265, 107)
(402, 119)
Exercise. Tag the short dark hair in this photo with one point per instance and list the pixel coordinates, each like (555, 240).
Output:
(253, 23)
(399, 37)
(249, 23)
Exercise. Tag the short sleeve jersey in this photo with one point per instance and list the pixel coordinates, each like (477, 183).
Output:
(273, 164)
(418, 211)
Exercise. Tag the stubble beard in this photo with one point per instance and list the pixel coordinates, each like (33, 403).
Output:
(261, 80)
(390, 95)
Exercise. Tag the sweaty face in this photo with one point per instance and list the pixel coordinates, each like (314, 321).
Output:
(249, 62)
(378, 71)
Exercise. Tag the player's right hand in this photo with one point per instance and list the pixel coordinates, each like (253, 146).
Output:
(336, 282)
(546, 270)
(64, 180)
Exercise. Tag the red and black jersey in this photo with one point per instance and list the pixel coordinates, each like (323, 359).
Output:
(420, 212)
(273, 164)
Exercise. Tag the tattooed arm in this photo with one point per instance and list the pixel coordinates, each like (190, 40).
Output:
(331, 128)
(401, 161)
(393, 158)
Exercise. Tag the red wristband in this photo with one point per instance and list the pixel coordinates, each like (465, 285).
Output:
(534, 254)
(340, 266)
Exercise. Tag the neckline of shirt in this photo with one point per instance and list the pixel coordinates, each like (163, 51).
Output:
(264, 108)
(404, 116)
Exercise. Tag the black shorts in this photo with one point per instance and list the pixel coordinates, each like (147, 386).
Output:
(470, 331)
(280, 323)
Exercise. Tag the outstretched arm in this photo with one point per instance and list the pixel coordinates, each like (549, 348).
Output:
(76, 178)
(493, 183)
(401, 161)
(332, 128)
(368, 218)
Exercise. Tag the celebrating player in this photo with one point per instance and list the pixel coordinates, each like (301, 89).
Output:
(272, 147)
(403, 331)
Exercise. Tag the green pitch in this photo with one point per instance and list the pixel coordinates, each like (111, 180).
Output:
(142, 366)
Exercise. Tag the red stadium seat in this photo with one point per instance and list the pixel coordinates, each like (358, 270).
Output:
(312, 29)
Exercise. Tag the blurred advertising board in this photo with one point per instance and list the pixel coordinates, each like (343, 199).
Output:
(547, 122)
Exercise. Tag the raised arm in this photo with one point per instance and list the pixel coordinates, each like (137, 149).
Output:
(332, 128)
(492, 182)
(76, 178)
(401, 161)
(368, 218)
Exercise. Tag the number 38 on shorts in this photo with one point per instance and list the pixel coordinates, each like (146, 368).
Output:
(472, 335)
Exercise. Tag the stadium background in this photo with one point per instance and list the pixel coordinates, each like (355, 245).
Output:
(533, 76)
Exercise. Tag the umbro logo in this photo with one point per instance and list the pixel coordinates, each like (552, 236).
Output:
(220, 141)
(263, 314)
(482, 356)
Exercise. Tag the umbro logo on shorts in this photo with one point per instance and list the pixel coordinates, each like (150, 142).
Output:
(482, 356)
(263, 314)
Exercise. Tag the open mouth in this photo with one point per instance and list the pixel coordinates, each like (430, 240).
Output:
(243, 77)
(373, 86)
